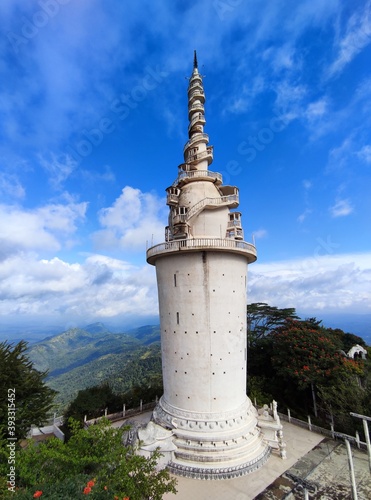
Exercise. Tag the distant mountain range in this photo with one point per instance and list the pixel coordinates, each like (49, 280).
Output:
(80, 358)
(83, 357)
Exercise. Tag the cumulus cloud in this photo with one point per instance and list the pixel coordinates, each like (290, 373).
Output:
(331, 283)
(99, 287)
(44, 228)
(134, 219)
(104, 288)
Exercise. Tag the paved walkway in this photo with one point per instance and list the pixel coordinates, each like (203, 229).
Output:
(313, 462)
(299, 442)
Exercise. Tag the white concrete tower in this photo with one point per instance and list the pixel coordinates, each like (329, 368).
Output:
(202, 276)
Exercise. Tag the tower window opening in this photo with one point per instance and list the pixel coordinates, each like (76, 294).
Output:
(174, 279)
(177, 318)
(181, 210)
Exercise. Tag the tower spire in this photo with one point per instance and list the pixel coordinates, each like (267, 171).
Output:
(195, 63)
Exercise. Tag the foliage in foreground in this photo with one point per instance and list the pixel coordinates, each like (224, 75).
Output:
(24, 387)
(93, 462)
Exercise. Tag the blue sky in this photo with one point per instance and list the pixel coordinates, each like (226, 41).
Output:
(93, 111)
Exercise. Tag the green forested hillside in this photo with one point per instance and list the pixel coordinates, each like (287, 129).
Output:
(81, 358)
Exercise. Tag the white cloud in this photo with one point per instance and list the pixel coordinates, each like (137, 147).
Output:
(331, 283)
(289, 99)
(103, 288)
(301, 218)
(341, 208)
(58, 168)
(356, 37)
(134, 219)
(10, 186)
(316, 110)
(44, 228)
(365, 153)
(99, 287)
(260, 233)
(242, 100)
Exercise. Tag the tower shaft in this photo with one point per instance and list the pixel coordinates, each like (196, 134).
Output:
(201, 273)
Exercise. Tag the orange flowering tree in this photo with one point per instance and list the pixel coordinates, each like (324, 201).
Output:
(309, 354)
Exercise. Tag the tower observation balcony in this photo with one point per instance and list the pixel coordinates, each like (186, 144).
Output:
(196, 139)
(194, 108)
(202, 175)
(248, 250)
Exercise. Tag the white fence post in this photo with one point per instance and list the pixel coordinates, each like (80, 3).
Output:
(309, 423)
(289, 414)
(351, 471)
(367, 436)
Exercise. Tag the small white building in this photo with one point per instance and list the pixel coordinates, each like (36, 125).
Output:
(357, 351)
(202, 279)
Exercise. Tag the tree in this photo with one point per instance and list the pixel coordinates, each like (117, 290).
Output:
(310, 354)
(93, 461)
(262, 319)
(92, 402)
(22, 385)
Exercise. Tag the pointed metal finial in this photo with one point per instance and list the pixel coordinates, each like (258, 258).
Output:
(195, 63)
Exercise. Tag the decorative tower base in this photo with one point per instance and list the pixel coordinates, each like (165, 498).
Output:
(213, 445)
(202, 278)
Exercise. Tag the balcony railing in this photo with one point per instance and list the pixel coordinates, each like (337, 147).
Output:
(195, 139)
(208, 154)
(195, 82)
(202, 244)
(197, 93)
(235, 233)
(229, 201)
(197, 106)
(198, 175)
(199, 118)
(234, 223)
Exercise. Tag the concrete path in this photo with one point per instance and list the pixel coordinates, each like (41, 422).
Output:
(299, 442)
(313, 462)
